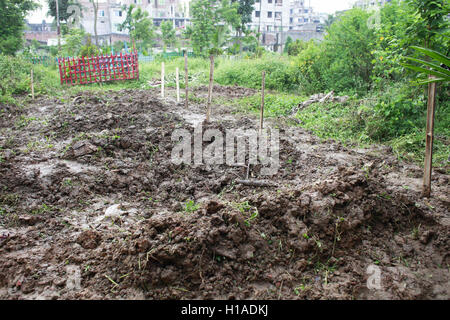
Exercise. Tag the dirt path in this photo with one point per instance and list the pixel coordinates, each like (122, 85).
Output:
(91, 207)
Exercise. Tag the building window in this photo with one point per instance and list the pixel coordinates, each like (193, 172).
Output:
(101, 13)
(269, 28)
(291, 20)
(277, 15)
(269, 1)
(118, 13)
(269, 14)
(257, 14)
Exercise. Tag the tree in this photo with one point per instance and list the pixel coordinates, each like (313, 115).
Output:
(168, 34)
(245, 10)
(211, 23)
(95, 6)
(139, 25)
(287, 44)
(12, 17)
(431, 21)
(62, 7)
(73, 42)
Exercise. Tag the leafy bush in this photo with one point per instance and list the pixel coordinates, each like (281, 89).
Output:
(280, 74)
(14, 77)
(274, 104)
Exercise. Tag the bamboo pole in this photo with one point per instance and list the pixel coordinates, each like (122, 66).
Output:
(429, 140)
(162, 79)
(211, 80)
(177, 80)
(261, 116)
(32, 84)
(186, 79)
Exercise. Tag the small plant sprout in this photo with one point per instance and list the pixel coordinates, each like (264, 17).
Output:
(190, 206)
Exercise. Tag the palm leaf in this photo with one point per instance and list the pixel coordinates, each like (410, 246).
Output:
(436, 67)
(433, 54)
(425, 71)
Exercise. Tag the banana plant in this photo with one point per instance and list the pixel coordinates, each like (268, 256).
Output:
(440, 70)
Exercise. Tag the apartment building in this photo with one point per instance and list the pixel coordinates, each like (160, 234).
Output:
(111, 14)
(367, 4)
(270, 16)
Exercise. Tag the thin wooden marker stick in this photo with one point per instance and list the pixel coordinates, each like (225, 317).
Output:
(211, 80)
(261, 119)
(429, 140)
(32, 85)
(177, 80)
(162, 79)
(186, 98)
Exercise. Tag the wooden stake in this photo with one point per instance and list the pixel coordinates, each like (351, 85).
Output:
(261, 117)
(211, 80)
(429, 140)
(177, 80)
(32, 85)
(162, 79)
(186, 79)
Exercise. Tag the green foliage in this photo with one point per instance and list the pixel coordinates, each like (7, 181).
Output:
(287, 44)
(89, 49)
(294, 48)
(139, 25)
(440, 72)
(62, 8)
(280, 74)
(15, 78)
(430, 22)
(12, 15)
(210, 24)
(73, 42)
(168, 34)
(190, 206)
(275, 105)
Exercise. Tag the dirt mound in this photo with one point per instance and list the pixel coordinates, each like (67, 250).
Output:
(92, 207)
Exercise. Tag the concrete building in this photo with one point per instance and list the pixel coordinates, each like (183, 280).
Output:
(367, 4)
(270, 16)
(111, 14)
(275, 20)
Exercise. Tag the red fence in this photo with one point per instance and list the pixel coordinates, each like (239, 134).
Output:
(97, 69)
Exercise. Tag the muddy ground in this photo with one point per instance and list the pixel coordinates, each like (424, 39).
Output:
(91, 207)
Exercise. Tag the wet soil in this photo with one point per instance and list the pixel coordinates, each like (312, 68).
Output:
(91, 207)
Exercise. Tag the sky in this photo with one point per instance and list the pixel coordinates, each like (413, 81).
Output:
(319, 6)
(330, 6)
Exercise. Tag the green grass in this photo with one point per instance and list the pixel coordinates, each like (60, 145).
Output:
(275, 104)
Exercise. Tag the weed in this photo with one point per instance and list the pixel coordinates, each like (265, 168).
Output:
(190, 206)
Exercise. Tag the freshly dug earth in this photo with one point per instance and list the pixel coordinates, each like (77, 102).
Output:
(91, 207)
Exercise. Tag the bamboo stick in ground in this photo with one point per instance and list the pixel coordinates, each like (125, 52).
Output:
(177, 80)
(32, 84)
(429, 140)
(186, 79)
(261, 117)
(162, 79)
(211, 80)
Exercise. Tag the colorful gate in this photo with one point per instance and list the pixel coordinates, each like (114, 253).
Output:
(98, 69)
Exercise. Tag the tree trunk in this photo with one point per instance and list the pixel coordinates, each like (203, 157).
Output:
(95, 5)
